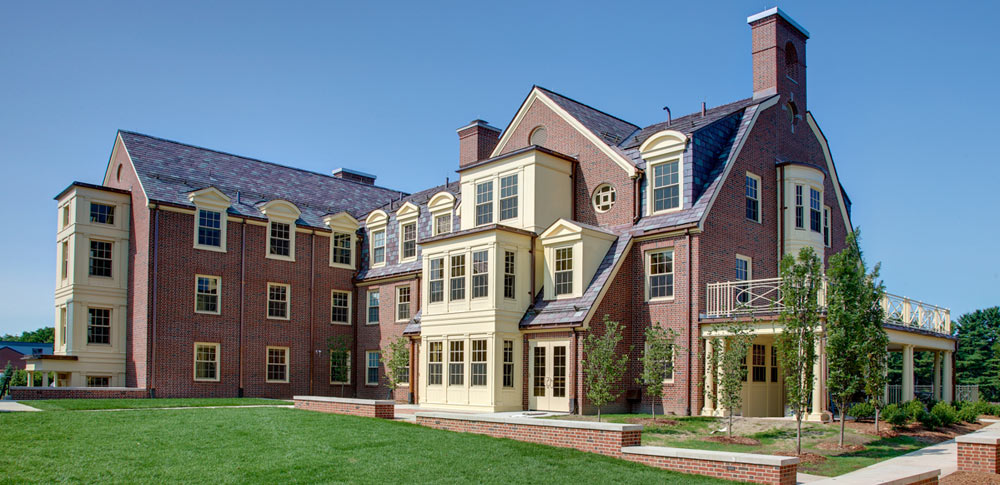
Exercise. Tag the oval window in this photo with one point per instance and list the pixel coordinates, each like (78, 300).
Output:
(604, 197)
(538, 136)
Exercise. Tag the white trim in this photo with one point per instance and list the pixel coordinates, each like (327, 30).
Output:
(288, 301)
(267, 362)
(777, 11)
(218, 294)
(367, 367)
(218, 362)
(648, 275)
(409, 302)
(343, 223)
(350, 297)
(107, 173)
(368, 306)
(760, 205)
(347, 382)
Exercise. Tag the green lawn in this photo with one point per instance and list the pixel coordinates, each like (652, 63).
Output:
(276, 445)
(86, 404)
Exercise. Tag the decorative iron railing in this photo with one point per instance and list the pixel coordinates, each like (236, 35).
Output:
(763, 296)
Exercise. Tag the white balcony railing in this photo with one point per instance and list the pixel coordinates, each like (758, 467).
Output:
(742, 298)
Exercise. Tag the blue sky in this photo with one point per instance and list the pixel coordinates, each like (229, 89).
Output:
(905, 92)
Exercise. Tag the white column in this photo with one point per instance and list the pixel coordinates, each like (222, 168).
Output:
(709, 407)
(719, 409)
(819, 382)
(948, 378)
(45, 379)
(936, 391)
(908, 393)
(31, 379)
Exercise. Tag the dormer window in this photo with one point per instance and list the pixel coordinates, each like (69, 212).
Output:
(666, 186)
(663, 152)
(343, 228)
(280, 239)
(102, 213)
(484, 203)
(341, 248)
(376, 223)
(378, 246)
(442, 224)
(210, 219)
(441, 207)
(564, 271)
(408, 238)
(209, 228)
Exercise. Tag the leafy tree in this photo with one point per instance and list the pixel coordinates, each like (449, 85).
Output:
(801, 280)
(729, 358)
(340, 351)
(8, 374)
(854, 318)
(602, 366)
(978, 358)
(44, 335)
(396, 356)
(657, 362)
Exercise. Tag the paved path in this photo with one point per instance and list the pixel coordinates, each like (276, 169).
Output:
(12, 406)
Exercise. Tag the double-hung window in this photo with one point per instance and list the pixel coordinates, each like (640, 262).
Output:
(277, 301)
(373, 303)
(815, 211)
(826, 226)
(508, 197)
(479, 363)
(206, 294)
(757, 365)
(408, 238)
(508, 363)
(564, 271)
(456, 363)
(484, 203)
(341, 242)
(372, 363)
(457, 282)
(480, 274)
(100, 258)
(799, 209)
(340, 307)
(442, 224)
(65, 259)
(206, 362)
(434, 362)
(744, 269)
(102, 213)
(340, 367)
(660, 275)
(281, 239)
(378, 246)
(508, 275)
(209, 228)
(277, 364)
(99, 326)
(436, 281)
(402, 303)
(666, 186)
(752, 190)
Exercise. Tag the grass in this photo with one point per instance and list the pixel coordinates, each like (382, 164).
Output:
(90, 404)
(276, 445)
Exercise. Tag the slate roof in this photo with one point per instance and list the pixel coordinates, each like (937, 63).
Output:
(611, 129)
(170, 170)
(26, 348)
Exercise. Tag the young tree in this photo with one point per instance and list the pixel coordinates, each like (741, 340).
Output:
(657, 362)
(340, 353)
(801, 280)
(8, 375)
(602, 367)
(853, 322)
(396, 357)
(729, 358)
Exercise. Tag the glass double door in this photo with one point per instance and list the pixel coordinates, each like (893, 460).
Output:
(548, 386)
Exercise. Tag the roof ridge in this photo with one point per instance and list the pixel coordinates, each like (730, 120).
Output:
(312, 172)
(586, 105)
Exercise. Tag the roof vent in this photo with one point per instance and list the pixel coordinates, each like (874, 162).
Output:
(355, 175)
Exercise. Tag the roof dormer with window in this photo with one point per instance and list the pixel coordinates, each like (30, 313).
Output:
(572, 253)
(281, 218)
(407, 219)
(664, 156)
(343, 239)
(375, 225)
(210, 218)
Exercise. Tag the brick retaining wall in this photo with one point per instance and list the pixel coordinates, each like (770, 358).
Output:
(370, 408)
(979, 452)
(742, 467)
(22, 393)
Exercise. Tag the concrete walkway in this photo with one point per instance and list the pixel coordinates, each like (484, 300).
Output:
(12, 406)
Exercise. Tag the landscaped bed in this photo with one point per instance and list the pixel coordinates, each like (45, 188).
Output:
(821, 455)
(276, 445)
(91, 404)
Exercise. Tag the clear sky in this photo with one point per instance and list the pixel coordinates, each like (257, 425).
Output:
(907, 94)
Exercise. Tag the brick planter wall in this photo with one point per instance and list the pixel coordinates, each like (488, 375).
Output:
(602, 438)
(27, 393)
(369, 408)
(742, 467)
(979, 452)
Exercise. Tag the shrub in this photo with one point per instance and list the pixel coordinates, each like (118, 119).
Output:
(862, 410)
(928, 420)
(894, 415)
(968, 414)
(982, 407)
(913, 409)
(944, 413)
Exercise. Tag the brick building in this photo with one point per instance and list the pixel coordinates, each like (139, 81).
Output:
(191, 272)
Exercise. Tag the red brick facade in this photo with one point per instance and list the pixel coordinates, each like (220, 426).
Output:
(740, 472)
(978, 457)
(354, 407)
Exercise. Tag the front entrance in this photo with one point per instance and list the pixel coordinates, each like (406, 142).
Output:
(547, 368)
(762, 391)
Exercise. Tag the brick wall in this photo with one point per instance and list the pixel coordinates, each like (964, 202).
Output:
(12, 356)
(355, 407)
(378, 337)
(978, 457)
(29, 393)
(724, 469)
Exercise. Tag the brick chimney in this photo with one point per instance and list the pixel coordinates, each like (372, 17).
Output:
(779, 57)
(476, 141)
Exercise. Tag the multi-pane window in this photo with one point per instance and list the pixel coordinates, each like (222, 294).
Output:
(508, 363)
(209, 228)
(508, 275)
(65, 216)
(668, 365)
(478, 363)
(758, 369)
(277, 364)
(743, 272)
(98, 326)
(98, 381)
(65, 259)
(799, 214)
(815, 211)
(480, 276)
(442, 224)
(457, 282)
(404, 375)
(484, 203)
(564, 271)
(456, 363)
(508, 197)
(206, 362)
(102, 213)
(774, 363)
(373, 303)
(340, 307)
(340, 367)
(559, 371)
(402, 303)
(604, 198)
(538, 364)
(434, 365)
(826, 226)
(666, 186)
(372, 363)
(436, 281)
(409, 240)
(378, 246)
(281, 239)
(753, 197)
(63, 317)
(206, 294)
(341, 248)
(661, 274)
(100, 258)
(277, 301)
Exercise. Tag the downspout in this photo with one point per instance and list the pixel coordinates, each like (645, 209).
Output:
(243, 283)
(781, 212)
(312, 323)
(412, 398)
(573, 401)
(636, 203)
(531, 251)
(156, 267)
(691, 328)
(572, 178)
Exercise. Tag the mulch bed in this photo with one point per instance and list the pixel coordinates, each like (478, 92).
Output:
(915, 430)
(971, 478)
(734, 440)
(804, 458)
(836, 447)
(651, 421)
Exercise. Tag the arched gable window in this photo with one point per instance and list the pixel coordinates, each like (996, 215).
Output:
(791, 61)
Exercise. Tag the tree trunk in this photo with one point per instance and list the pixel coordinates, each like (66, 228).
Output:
(798, 434)
(876, 419)
(842, 423)
(598, 414)
(652, 410)
(730, 422)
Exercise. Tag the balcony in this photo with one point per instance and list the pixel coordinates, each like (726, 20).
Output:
(761, 297)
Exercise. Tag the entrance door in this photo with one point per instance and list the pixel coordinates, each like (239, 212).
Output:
(547, 369)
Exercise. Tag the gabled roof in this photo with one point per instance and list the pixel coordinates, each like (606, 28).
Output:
(170, 170)
(611, 129)
(690, 123)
